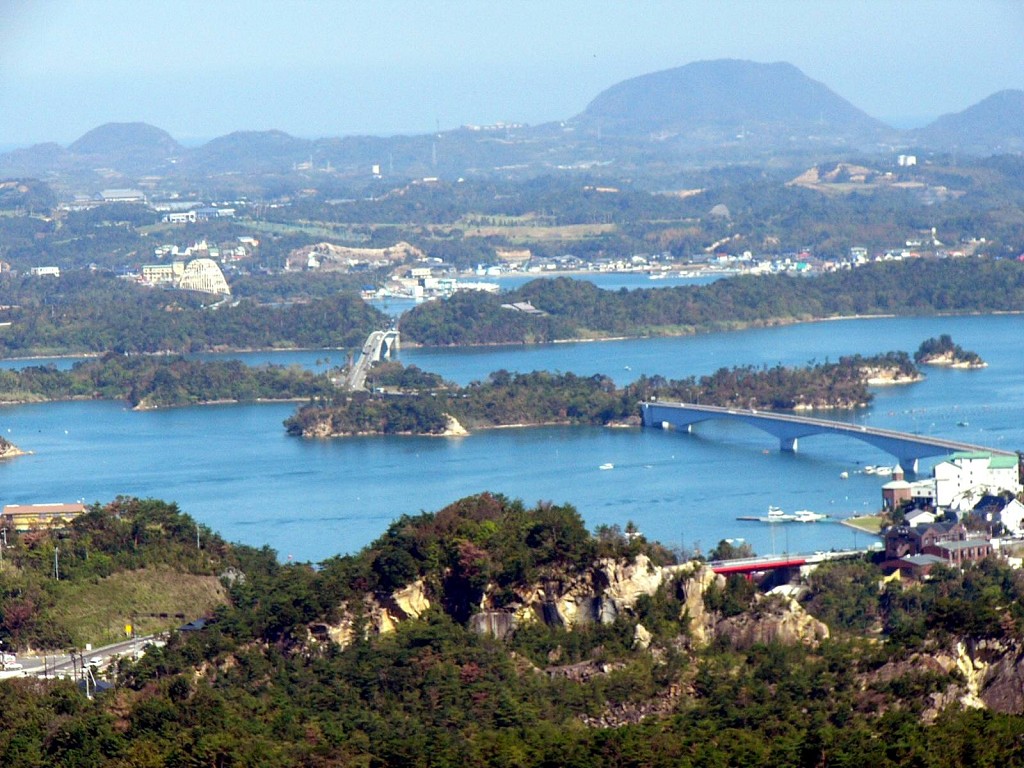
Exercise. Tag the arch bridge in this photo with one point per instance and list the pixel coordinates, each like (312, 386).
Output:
(378, 346)
(788, 428)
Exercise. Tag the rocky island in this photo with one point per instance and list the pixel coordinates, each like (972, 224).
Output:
(9, 450)
(942, 351)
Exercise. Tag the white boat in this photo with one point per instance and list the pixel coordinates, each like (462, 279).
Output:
(807, 516)
(607, 465)
(869, 469)
(844, 475)
(775, 514)
(883, 471)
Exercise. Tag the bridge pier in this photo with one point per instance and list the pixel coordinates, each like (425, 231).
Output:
(909, 465)
(788, 444)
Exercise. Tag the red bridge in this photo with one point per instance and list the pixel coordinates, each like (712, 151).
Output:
(771, 562)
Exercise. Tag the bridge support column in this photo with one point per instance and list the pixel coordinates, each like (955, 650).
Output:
(909, 465)
(788, 444)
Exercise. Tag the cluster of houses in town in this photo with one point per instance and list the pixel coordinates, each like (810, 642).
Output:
(953, 517)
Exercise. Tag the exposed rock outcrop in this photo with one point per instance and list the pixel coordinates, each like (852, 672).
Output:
(877, 377)
(953, 360)
(328, 256)
(772, 620)
(599, 595)
(454, 428)
(382, 615)
(702, 621)
(9, 450)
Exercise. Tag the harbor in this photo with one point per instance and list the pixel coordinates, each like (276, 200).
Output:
(776, 515)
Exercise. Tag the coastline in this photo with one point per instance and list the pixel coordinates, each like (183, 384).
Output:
(11, 451)
(869, 524)
(721, 326)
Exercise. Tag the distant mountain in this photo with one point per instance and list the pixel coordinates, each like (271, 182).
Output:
(992, 126)
(252, 151)
(33, 161)
(128, 147)
(704, 113)
(711, 102)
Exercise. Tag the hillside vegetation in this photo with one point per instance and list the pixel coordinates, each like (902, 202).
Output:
(97, 313)
(577, 309)
(412, 402)
(610, 654)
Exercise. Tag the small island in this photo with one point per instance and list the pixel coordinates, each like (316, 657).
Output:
(942, 351)
(9, 450)
(408, 401)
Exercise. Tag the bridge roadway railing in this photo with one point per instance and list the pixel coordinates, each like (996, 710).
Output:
(789, 428)
(786, 560)
(378, 345)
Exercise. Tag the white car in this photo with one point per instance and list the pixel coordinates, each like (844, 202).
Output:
(96, 661)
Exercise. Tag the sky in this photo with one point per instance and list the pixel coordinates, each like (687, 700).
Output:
(313, 68)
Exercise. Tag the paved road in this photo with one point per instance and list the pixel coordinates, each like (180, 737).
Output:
(61, 665)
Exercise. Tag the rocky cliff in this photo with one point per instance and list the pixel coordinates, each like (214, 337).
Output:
(602, 594)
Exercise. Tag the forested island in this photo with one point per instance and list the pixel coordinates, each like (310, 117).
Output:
(495, 633)
(95, 313)
(146, 381)
(409, 401)
(85, 313)
(942, 351)
(576, 309)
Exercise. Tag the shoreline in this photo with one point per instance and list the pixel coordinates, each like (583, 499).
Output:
(861, 523)
(732, 326)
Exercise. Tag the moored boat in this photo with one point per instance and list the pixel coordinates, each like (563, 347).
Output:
(807, 516)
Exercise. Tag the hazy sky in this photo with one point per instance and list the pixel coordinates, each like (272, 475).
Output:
(203, 68)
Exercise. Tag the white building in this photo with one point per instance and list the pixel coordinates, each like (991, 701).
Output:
(965, 477)
(1012, 517)
(920, 517)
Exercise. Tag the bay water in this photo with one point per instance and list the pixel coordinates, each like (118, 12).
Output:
(233, 468)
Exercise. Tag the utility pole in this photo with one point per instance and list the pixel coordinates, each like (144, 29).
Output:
(56, 564)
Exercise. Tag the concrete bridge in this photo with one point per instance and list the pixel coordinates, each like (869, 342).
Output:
(378, 346)
(788, 428)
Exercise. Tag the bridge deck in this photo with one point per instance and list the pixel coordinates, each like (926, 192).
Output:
(789, 428)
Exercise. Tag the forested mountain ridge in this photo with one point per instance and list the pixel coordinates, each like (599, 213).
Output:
(700, 113)
(996, 123)
(725, 101)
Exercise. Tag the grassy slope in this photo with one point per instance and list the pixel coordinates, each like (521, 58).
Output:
(99, 609)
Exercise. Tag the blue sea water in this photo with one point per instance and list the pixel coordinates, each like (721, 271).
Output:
(234, 468)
